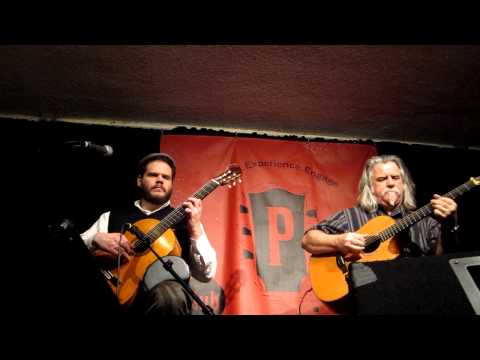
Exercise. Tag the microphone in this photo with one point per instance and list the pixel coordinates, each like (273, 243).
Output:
(104, 150)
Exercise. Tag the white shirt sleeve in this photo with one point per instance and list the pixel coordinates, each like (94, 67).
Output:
(203, 255)
(101, 225)
(204, 258)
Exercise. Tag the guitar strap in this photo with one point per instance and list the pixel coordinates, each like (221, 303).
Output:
(407, 247)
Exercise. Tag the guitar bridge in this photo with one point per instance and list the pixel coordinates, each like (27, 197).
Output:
(341, 263)
(110, 277)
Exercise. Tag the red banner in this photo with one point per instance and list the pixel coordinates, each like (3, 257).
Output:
(256, 227)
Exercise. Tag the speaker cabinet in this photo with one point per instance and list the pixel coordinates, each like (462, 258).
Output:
(435, 285)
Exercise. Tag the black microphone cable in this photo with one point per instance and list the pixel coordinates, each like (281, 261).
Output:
(301, 300)
(124, 227)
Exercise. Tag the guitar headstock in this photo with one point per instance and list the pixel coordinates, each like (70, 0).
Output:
(230, 176)
(475, 180)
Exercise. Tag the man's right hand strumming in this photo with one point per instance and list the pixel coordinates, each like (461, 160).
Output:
(113, 243)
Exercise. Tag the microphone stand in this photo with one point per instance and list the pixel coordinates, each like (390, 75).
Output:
(207, 310)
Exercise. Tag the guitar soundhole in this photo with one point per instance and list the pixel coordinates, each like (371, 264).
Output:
(372, 247)
(141, 246)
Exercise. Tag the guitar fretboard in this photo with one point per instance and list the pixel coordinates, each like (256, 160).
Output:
(416, 216)
(179, 213)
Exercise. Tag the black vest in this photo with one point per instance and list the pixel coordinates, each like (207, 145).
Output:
(132, 214)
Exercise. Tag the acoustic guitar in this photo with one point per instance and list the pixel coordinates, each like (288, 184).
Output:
(328, 273)
(148, 234)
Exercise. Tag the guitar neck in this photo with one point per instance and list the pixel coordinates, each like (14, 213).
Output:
(418, 215)
(179, 213)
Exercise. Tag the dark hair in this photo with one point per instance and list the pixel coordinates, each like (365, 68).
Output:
(142, 164)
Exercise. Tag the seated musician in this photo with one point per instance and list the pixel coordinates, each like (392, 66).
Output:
(156, 175)
(385, 188)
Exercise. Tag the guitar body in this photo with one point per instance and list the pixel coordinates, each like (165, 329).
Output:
(131, 272)
(329, 281)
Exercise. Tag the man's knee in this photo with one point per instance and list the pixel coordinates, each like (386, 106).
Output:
(168, 298)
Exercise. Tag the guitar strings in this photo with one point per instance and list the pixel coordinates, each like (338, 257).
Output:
(175, 216)
(416, 216)
(117, 289)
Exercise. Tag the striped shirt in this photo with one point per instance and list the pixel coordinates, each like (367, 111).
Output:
(420, 239)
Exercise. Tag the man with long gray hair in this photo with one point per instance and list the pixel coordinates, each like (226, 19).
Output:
(385, 188)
